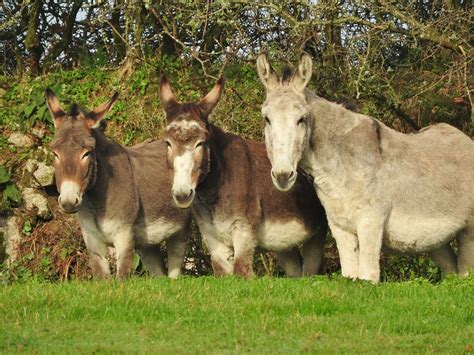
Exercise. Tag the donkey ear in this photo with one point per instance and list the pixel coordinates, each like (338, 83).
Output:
(95, 117)
(208, 102)
(305, 70)
(267, 75)
(167, 96)
(57, 113)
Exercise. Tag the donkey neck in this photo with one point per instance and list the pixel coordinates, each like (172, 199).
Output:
(113, 167)
(329, 118)
(217, 143)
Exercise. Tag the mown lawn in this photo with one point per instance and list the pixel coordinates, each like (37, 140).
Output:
(205, 315)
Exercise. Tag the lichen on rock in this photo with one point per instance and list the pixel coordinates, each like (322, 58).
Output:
(34, 199)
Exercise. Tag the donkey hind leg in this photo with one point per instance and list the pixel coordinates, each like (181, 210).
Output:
(445, 258)
(98, 253)
(176, 246)
(370, 235)
(348, 248)
(153, 260)
(221, 256)
(245, 241)
(466, 250)
(123, 244)
(313, 252)
(291, 262)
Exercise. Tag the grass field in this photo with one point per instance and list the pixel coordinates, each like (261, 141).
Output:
(205, 315)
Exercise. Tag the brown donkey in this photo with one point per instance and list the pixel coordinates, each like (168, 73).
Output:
(121, 195)
(226, 180)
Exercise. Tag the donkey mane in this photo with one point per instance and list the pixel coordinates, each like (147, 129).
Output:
(287, 74)
(188, 107)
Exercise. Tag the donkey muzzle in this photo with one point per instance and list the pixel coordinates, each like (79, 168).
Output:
(183, 198)
(69, 205)
(284, 180)
(70, 197)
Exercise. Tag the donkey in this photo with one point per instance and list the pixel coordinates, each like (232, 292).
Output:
(120, 194)
(410, 193)
(225, 180)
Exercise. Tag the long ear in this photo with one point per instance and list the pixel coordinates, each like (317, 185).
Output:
(167, 97)
(208, 102)
(57, 113)
(267, 75)
(305, 70)
(96, 115)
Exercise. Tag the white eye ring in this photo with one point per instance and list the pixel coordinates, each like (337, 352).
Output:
(86, 154)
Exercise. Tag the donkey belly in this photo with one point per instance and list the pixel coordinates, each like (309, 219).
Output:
(407, 234)
(149, 233)
(280, 236)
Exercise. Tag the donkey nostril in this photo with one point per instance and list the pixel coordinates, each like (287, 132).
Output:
(190, 192)
(274, 175)
(292, 173)
(77, 201)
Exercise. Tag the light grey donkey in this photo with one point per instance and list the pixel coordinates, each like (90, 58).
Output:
(407, 193)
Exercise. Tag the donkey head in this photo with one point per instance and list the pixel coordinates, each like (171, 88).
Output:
(187, 139)
(73, 147)
(287, 116)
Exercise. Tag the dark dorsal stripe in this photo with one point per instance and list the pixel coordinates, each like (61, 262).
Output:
(177, 110)
(75, 110)
(287, 74)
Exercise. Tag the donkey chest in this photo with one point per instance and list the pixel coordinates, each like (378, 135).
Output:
(97, 228)
(149, 233)
(218, 223)
(281, 235)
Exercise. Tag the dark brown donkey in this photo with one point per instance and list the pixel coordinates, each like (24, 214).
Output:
(121, 195)
(227, 181)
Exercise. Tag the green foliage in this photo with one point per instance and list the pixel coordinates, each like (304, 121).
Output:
(4, 175)
(264, 315)
(11, 196)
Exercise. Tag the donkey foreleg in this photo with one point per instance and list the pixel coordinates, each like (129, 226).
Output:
(98, 253)
(445, 258)
(97, 249)
(466, 250)
(348, 248)
(244, 240)
(176, 246)
(221, 256)
(370, 235)
(153, 260)
(291, 262)
(123, 243)
(313, 252)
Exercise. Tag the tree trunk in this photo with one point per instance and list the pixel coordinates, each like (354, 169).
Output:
(66, 39)
(32, 40)
(120, 46)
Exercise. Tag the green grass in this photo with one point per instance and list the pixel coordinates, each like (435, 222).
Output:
(229, 314)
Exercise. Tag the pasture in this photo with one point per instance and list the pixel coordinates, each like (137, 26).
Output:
(209, 315)
(407, 64)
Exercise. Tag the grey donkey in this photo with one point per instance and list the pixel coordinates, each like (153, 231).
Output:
(406, 193)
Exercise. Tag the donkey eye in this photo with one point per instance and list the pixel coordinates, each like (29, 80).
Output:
(56, 156)
(200, 144)
(302, 120)
(267, 120)
(86, 154)
(168, 144)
